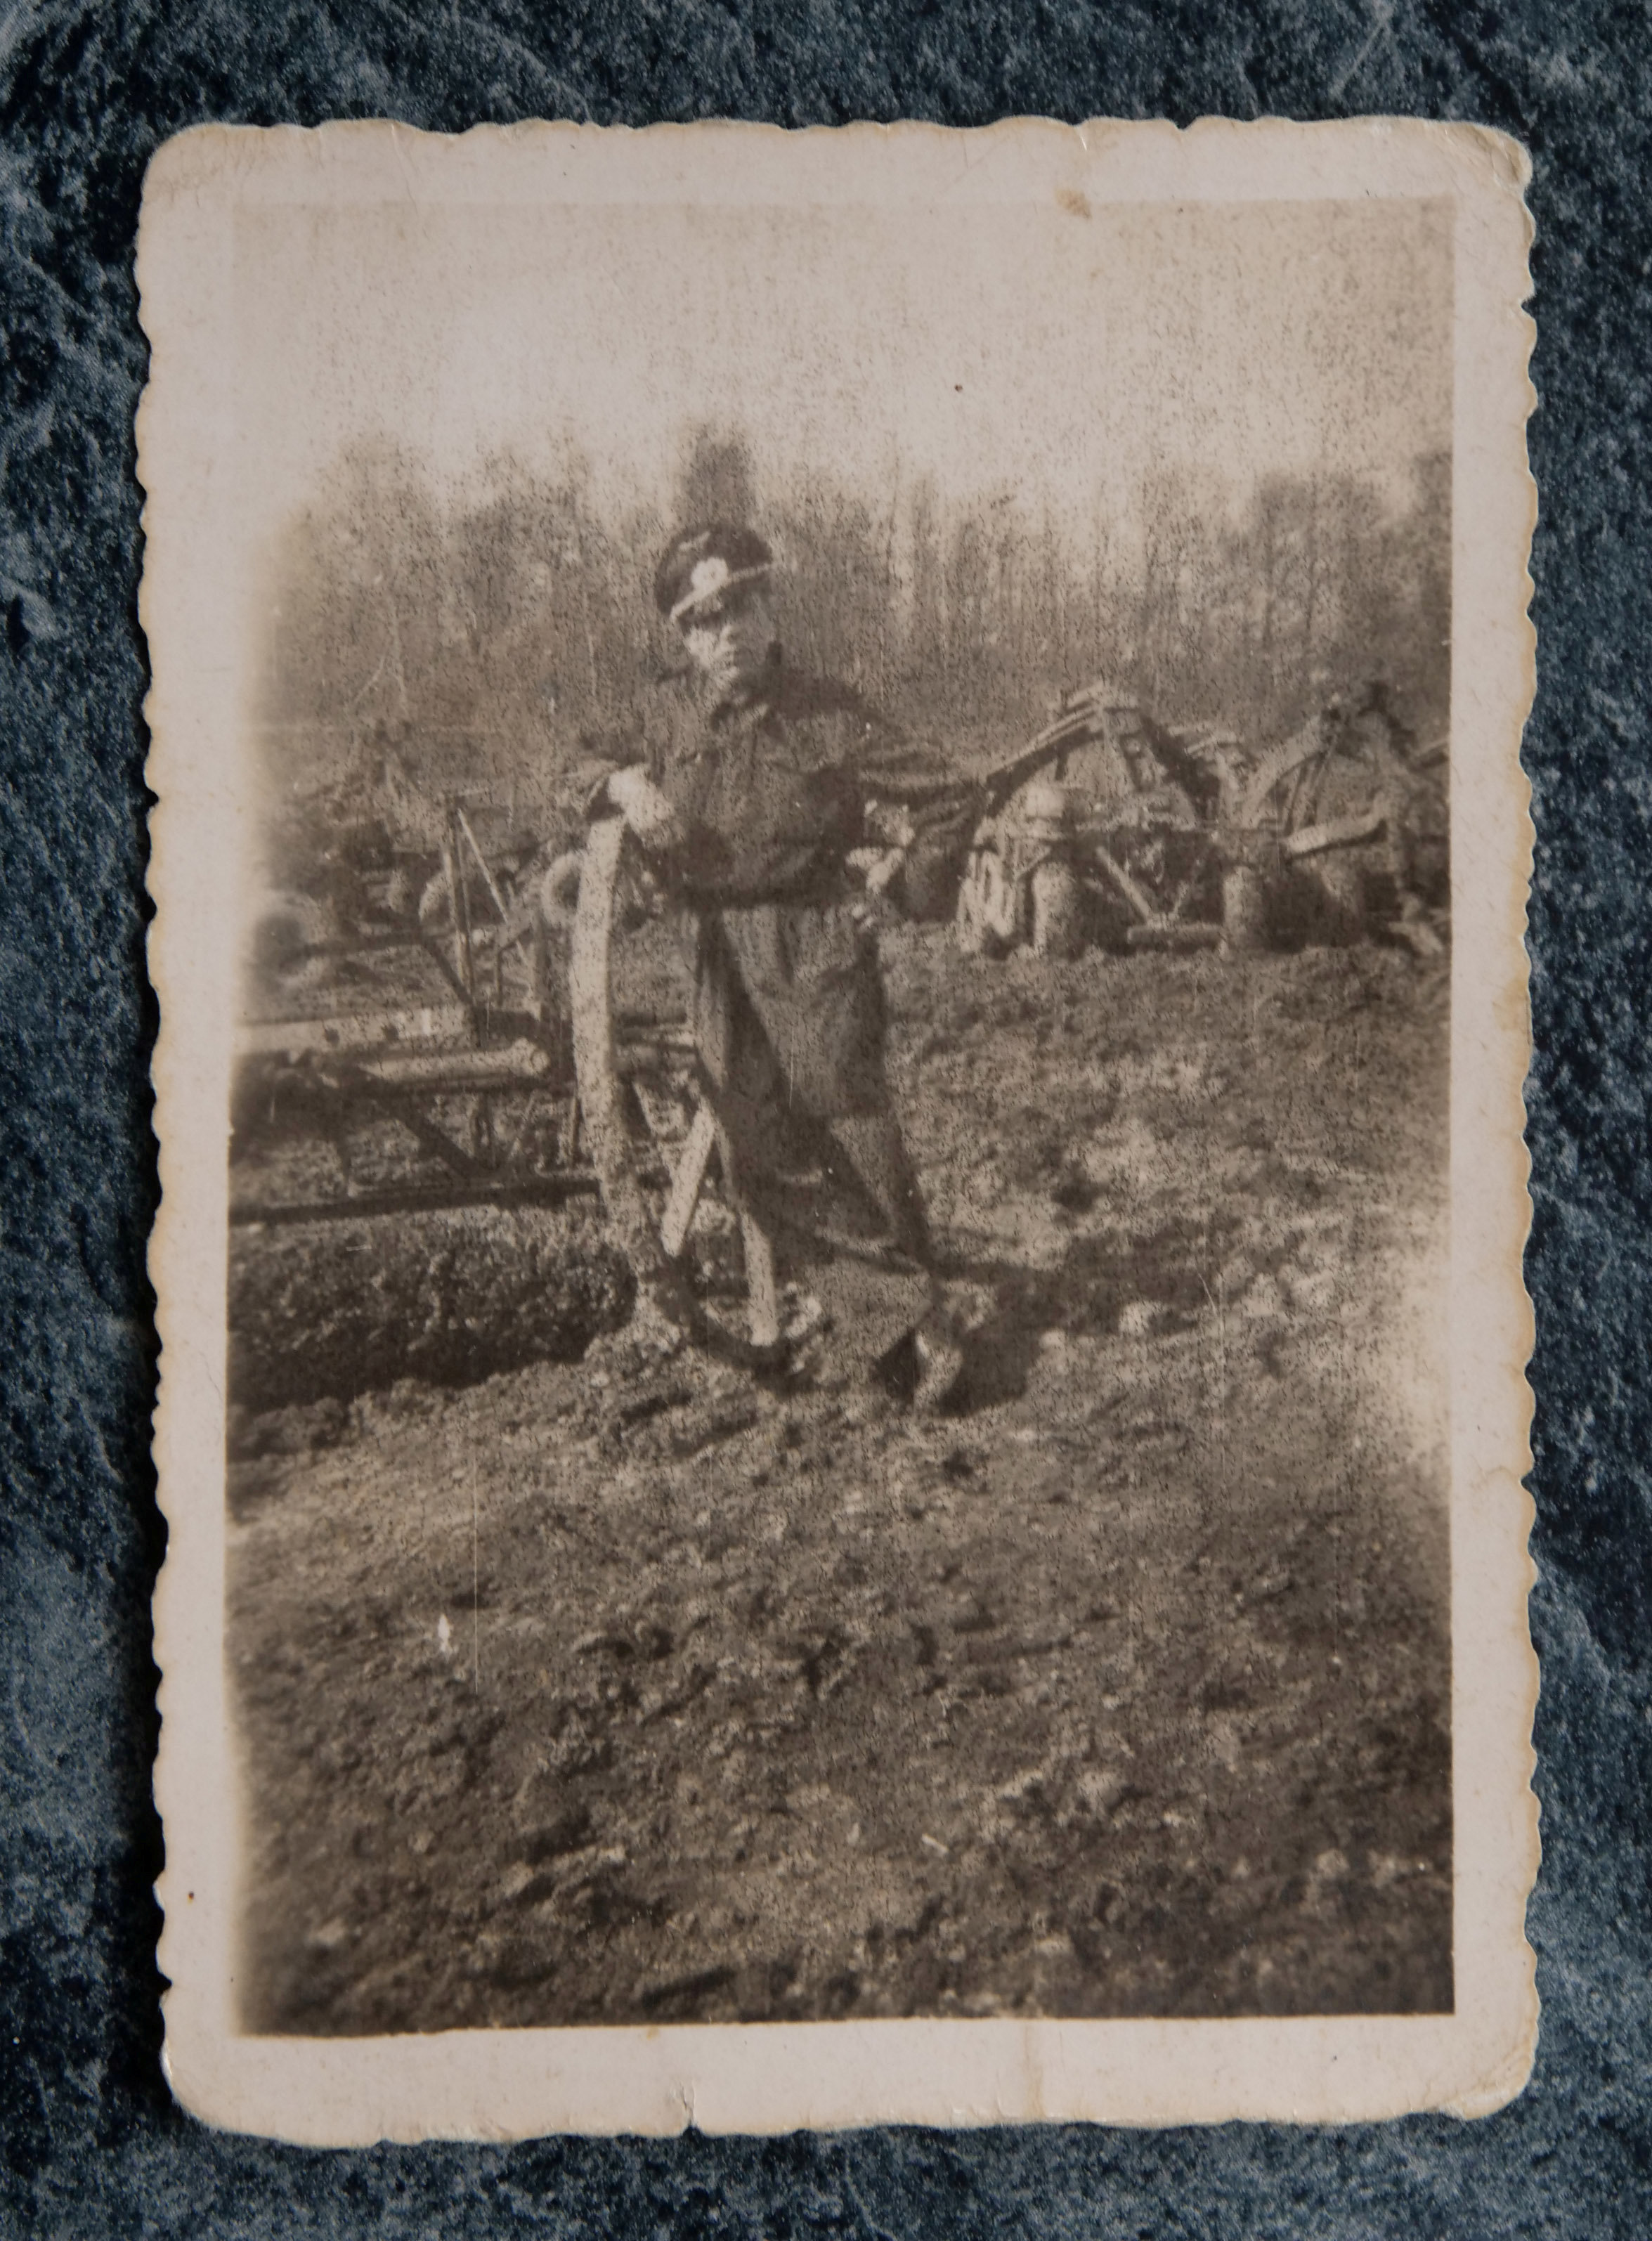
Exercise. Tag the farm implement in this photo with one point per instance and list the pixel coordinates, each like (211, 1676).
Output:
(470, 1024)
(1109, 823)
(499, 1031)
(402, 1052)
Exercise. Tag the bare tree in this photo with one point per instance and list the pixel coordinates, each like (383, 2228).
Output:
(493, 635)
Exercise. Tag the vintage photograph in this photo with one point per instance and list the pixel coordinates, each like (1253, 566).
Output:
(839, 980)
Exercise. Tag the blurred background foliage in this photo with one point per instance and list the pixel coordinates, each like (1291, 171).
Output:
(486, 634)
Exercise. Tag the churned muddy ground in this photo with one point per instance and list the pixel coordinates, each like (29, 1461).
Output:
(634, 1691)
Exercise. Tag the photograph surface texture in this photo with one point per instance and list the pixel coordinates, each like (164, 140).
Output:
(839, 867)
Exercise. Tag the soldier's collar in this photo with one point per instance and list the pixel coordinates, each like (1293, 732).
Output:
(751, 698)
(748, 707)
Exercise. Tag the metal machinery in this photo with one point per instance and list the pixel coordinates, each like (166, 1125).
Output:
(1110, 825)
(476, 1022)
(485, 1024)
(398, 1050)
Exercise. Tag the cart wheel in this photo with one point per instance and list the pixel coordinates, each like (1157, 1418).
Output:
(623, 1127)
(557, 894)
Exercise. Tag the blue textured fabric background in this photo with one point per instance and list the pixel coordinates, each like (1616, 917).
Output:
(90, 2143)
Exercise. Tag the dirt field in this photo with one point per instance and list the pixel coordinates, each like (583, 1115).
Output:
(642, 1692)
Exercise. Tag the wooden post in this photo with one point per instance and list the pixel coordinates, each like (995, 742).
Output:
(459, 903)
(1342, 877)
(1244, 911)
(1057, 908)
(687, 1182)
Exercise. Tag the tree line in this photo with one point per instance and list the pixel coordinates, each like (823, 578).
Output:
(488, 638)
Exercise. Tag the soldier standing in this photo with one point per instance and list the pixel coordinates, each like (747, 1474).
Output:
(757, 792)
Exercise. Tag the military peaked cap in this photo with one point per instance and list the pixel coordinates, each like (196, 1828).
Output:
(699, 567)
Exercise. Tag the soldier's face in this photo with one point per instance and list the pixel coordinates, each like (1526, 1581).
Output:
(731, 646)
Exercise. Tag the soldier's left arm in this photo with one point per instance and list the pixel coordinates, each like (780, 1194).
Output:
(917, 797)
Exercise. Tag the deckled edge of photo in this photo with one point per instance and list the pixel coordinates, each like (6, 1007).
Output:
(502, 2084)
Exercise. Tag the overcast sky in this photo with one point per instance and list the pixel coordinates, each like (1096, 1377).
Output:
(1059, 354)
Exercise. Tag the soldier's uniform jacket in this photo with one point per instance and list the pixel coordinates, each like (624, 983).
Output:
(773, 786)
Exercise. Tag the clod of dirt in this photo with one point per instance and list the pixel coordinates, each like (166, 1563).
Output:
(406, 1401)
(1265, 1302)
(1311, 1291)
(722, 1417)
(1235, 1278)
(755, 1651)
(622, 1352)
(337, 1308)
(1100, 1789)
(1075, 1192)
(299, 1431)
(565, 1832)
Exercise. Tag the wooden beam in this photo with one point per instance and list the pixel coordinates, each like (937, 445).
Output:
(418, 1198)
(1140, 903)
(292, 1039)
(687, 1182)
(1338, 833)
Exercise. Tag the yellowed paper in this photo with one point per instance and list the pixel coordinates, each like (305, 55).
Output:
(843, 1404)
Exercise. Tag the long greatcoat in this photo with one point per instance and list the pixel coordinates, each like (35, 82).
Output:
(773, 786)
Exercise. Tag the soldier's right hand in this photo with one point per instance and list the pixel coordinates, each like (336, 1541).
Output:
(646, 810)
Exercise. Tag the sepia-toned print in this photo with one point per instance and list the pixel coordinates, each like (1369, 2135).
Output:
(843, 941)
